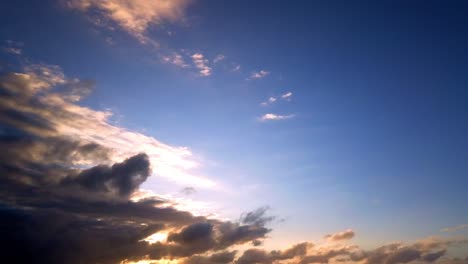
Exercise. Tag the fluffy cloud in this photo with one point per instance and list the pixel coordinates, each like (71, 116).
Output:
(134, 16)
(202, 64)
(270, 116)
(259, 75)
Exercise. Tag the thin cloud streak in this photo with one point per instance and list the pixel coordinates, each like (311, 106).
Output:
(272, 99)
(275, 117)
(258, 75)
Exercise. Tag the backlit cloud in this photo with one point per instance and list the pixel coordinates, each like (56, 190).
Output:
(57, 114)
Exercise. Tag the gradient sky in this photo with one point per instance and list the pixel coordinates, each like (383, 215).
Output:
(335, 114)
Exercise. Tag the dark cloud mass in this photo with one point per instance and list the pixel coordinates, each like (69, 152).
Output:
(63, 199)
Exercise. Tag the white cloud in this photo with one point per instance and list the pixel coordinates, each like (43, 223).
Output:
(272, 99)
(259, 75)
(286, 95)
(202, 64)
(270, 116)
(219, 58)
(137, 15)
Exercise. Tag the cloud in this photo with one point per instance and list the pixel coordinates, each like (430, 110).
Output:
(188, 190)
(175, 59)
(13, 47)
(270, 116)
(343, 235)
(135, 16)
(273, 99)
(45, 105)
(455, 228)
(219, 58)
(202, 64)
(286, 95)
(67, 178)
(236, 68)
(258, 75)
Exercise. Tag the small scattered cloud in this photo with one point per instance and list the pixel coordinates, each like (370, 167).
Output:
(236, 68)
(287, 95)
(339, 236)
(188, 190)
(202, 64)
(274, 117)
(175, 59)
(455, 228)
(258, 75)
(219, 58)
(272, 99)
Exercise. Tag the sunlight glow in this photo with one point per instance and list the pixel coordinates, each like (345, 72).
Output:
(157, 237)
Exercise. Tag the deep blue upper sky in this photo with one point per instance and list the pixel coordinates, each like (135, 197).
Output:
(378, 140)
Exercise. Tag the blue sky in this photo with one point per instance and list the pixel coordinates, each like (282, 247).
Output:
(366, 102)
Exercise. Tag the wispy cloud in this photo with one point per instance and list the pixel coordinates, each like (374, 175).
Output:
(272, 99)
(13, 47)
(273, 117)
(134, 16)
(258, 75)
(236, 68)
(219, 58)
(202, 64)
(455, 228)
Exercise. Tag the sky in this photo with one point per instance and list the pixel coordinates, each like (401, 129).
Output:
(204, 132)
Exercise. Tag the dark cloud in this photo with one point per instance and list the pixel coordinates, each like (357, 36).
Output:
(257, 217)
(344, 235)
(188, 190)
(121, 178)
